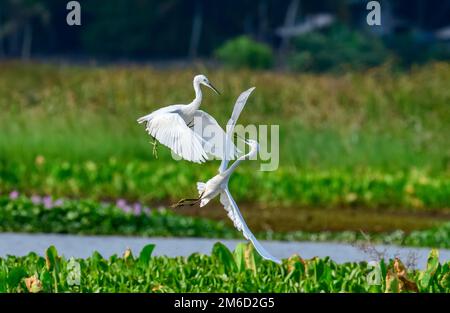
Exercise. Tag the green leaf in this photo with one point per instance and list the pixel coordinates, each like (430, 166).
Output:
(296, 266)
(52, 259)
(98, 261)
(427, 276)
(146, 253)
(46, 279)
(445, 280)
(433, 261)
(15, 275)
(96, 256)
(223, 255)
(3, 279)
(239, 256)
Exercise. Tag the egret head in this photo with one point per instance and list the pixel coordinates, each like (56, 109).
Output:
(254, 145)
(254, 148)
(202, 79)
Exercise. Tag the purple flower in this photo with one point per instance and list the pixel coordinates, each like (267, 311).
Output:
(48, 204)
(58, 202)
(147, 210)
(14, 195)
(36, 199)
(137, 208)
(121, 203)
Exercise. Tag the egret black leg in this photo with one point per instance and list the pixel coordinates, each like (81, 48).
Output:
(184, 202)
(187, 201)
(155, 147)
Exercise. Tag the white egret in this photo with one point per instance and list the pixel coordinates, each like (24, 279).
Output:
(173, 126)
(218, 185)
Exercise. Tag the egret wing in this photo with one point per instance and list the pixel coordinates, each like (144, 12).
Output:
(238, 107)
(235, 215)
(169, 109)
(216, 142)
(171, 130)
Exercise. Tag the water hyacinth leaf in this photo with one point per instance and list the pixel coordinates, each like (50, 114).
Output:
(15, 276)
(146, 253)
(296, 266)
(425, 279)
(318, 268)
(383, 268)
(445, 280)
(98, 261)
(3, 279)
(206, 273)
(239, 256)
(374, 289)
(433, 261)
(96, 256)
(52, 259)
(224, 256)
(46, 279)
(427, 276)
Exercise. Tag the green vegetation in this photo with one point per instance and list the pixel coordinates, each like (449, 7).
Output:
(244, 52)
(223, 271)
(336, 49)
(155, 180)
(89, 217)
(366, 140)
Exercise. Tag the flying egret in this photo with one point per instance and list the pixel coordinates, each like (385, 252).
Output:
(175, 127)
(218, 185)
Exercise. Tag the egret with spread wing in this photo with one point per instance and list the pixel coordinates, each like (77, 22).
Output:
(218, 185)
(174, 126)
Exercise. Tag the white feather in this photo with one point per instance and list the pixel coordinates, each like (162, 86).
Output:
(239, 222)
(171, 130)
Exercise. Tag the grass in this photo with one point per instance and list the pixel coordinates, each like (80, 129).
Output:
(380, 119)
(89, 217)
(224, 271)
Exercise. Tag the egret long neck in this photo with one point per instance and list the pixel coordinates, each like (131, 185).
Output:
(195, 104)
(233, 166)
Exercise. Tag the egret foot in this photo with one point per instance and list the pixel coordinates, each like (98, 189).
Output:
(187, 201)
(155, 148)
